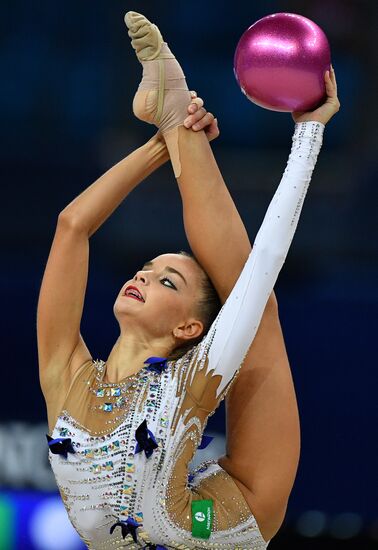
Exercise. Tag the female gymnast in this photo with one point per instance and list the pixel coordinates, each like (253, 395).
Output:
(122, 432)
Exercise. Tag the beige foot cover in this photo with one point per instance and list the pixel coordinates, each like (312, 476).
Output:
(163, 97)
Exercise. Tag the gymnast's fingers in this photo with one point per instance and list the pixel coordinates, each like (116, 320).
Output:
(212, 131)
(205, 120)
(333, 77)
(196, 118)
(198, 115)
(196, 103)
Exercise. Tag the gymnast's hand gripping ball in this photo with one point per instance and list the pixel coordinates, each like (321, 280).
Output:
(280, 63)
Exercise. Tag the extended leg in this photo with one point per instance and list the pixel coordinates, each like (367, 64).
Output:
(261, 408)
(222, 249)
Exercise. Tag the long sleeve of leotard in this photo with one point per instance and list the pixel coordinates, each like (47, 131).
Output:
(231, 335)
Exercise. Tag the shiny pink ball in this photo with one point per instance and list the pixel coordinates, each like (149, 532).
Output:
(280, 63)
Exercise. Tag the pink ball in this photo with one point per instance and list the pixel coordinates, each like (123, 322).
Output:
(280, 63)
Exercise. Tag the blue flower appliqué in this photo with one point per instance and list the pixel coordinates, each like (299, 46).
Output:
(156, 364)
(60, 446)
(127, 527)
(146, 440)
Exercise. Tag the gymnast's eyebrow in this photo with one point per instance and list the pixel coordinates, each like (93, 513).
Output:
(169, 269)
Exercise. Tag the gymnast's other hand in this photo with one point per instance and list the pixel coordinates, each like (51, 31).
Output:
(330, 107)
(200, 119)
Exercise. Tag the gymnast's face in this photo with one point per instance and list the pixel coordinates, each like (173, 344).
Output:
(164, 298)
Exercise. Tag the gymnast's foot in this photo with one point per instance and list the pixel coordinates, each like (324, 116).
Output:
(163, 96)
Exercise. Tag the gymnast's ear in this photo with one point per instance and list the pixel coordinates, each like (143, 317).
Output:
(192, 328)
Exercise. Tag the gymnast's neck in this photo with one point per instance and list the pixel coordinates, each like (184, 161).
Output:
(130, 351)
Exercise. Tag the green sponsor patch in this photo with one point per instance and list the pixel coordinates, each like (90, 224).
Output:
(202, 518)
(7, 523)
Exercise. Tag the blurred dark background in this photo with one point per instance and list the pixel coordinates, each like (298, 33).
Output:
(68, 79)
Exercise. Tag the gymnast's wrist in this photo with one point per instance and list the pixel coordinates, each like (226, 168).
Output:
(308, 129)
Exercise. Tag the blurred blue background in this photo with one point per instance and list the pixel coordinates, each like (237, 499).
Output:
(68, 79)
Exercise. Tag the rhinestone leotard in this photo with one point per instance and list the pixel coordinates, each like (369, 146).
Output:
(106, 479)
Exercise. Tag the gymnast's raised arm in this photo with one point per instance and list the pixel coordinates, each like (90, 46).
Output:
(233, 331)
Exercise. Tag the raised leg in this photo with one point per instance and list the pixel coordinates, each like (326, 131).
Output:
(263, 435)
(262, 416)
